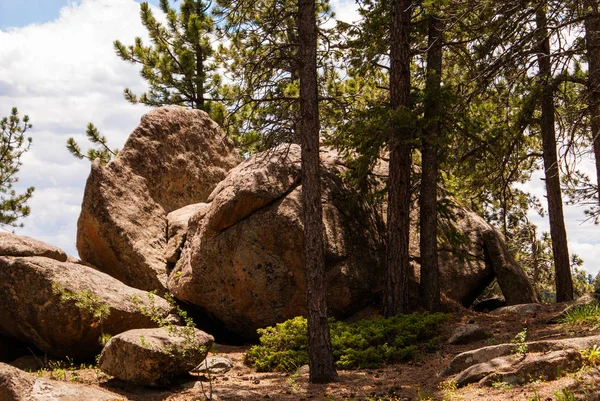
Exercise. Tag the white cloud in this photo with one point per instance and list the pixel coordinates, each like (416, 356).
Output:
(345, 10)
(582, 235)
(64, 74)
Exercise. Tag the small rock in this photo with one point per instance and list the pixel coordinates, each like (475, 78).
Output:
(467, 334)
(489, 305)
(303, 370)
(214, 364)
(522, 309)
(30, 363)
(154, 356)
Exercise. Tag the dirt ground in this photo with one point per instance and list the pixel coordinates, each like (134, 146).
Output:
(416, 380)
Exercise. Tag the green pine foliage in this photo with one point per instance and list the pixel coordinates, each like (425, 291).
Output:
(583, 315)
(260, 62)
(13, 144)
(99, 150)
(363, 344)
(178, 64)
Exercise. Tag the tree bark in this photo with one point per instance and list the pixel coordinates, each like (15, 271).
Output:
(592, 40)
(320, 354)
(395, 298)
(429, 288)
(199, 100)
(558, 233)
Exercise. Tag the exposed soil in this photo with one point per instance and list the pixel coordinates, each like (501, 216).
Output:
(415, 380)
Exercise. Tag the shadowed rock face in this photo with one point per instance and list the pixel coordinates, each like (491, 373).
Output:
(174, 158)
(35, 292)
(243, 262)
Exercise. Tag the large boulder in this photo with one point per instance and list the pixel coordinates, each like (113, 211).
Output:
(17, 385)
(472, 254)
(243, 261)
(154, 356)
(175, 157)
(63, 308)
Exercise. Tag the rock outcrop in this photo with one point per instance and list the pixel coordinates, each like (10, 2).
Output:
(177, 228)
(474, 365)
(20, 245)
(174, 158)
(236, 253)
(154, 356)
(467, 334)
(478, 255)
(17, 385)
(243, 262)
(519, 370)
(63, 308)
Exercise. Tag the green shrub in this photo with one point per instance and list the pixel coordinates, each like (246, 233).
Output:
(520, 340)
(591, 356)
(588, 315)
(363, 344)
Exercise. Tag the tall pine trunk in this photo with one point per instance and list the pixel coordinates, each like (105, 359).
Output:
(429, 288)
(395, 298)
(558, 233)
(199, 78)
(320, 354)
(592, 39)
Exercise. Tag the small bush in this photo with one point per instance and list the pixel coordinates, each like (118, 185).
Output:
(520, 342)
(363, 344)
(186, 332)
(591, 356)
(587, 315)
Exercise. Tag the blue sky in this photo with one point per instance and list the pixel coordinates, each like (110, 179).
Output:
(58, 66)
(19, 13)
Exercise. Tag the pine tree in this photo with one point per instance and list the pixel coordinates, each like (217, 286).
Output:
(320, 353)
(592, 39)
(178, 65)
(430, 137)
(396, 297)
(261, 62)
(564, 283)
(13, 144)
